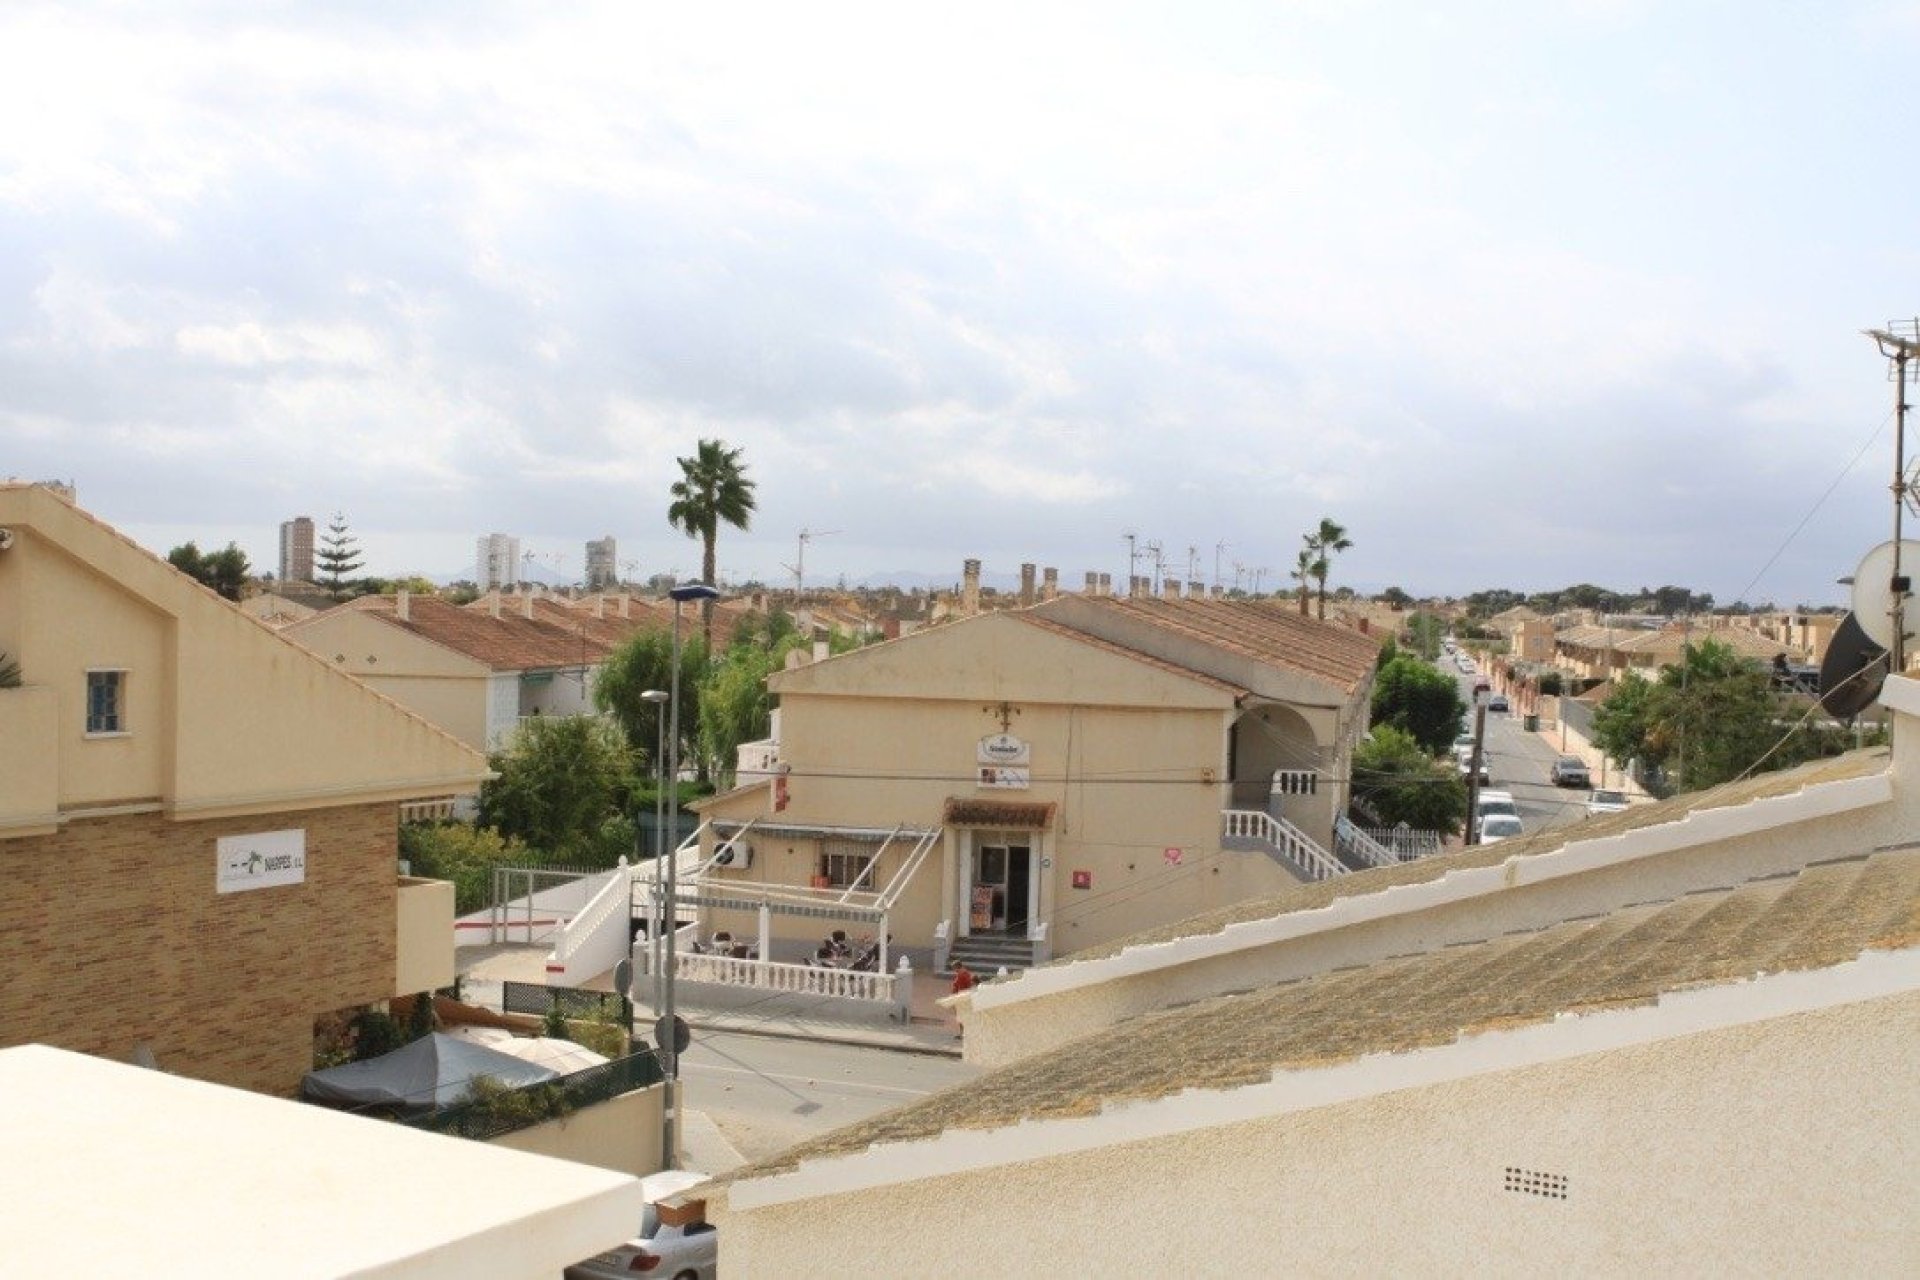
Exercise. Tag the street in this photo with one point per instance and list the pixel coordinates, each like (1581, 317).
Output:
(765, 1094)
(1521, 763)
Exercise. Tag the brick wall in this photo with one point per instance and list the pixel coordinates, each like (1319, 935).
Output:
(111, 934)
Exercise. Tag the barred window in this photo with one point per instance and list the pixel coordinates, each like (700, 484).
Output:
(106, 702)
(840, 869)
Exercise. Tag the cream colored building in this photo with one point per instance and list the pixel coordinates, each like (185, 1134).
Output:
(1676, 1040)
(197, 818)
(1030, 782)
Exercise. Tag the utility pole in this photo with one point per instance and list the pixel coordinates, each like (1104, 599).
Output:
(1901, 349)
(799, 566)
(1133, 560)
(1474, 765)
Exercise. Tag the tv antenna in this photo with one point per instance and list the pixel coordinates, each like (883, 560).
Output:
(1158, 555)
(1218, 548)
(1899, 342)
(627, 567)
(799, 566)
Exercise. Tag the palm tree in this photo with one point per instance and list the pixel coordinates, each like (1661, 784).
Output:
(1326, 541)
(1305, 568)
(712, 487)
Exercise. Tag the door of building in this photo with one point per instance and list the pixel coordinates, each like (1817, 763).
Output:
(1002, 888)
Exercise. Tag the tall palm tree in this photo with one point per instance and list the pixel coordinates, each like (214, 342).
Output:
(1327, 541)
(1305, 567)
(713, 487)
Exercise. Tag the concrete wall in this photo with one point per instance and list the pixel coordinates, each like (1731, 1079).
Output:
(423, 938)
(622, 1134)
(445, 688)
(1784, 1147)
(112, 936)
(222, 715)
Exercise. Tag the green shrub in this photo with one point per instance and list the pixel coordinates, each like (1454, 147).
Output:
(463, 854)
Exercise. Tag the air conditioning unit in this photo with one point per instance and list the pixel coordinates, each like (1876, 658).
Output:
(735, 855)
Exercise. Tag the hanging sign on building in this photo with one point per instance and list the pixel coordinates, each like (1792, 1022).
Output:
(1003, 761)
(260, 861)
(1003, 748)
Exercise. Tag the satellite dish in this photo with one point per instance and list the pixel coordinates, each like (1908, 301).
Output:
(1873, 589)
(1853, 670)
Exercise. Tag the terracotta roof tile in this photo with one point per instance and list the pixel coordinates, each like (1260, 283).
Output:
(1025, 815)
(1826, 915)
(510, 642)
(1274, 634)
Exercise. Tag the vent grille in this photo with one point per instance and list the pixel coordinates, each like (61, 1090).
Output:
(1295, 782)
(1532, 1182)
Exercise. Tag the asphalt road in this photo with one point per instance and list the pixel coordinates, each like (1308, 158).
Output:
(766, 1094)
(1522, 763)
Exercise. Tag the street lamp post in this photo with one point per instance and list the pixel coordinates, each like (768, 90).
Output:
(670, 1025)
(656, 697)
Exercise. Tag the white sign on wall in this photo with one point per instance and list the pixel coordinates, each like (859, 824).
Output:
(260, 861)
(1002, 748)
(1003, 761)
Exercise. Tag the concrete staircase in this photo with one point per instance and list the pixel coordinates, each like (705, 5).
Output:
(986, 954)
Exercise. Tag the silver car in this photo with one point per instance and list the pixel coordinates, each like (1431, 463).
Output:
(690, 1252)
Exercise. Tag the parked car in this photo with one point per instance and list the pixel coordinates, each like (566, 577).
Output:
(1607, 802)
(1496, 827)
(1498, 702)
(1466, 769)
(672, 1253)
(1491, 801)
(1571, 771)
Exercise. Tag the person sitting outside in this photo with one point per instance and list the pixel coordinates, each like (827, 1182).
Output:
(962, 977)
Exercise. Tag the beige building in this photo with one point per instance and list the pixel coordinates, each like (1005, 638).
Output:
(1675, 1040)
(197, 818)
(1031, 782)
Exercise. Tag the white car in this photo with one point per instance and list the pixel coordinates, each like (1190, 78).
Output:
(1496, 827)
(1607, 802)
(1490, 801)
(670, 1253)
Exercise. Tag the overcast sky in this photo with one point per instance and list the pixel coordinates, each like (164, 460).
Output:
(1522, 294)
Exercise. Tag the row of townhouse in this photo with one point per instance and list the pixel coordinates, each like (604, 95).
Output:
(1037, 781)
(1673, 1040)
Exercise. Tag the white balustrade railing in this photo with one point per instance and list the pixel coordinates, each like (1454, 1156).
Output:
(1350, 839)
(1264, 828)
(799, 979)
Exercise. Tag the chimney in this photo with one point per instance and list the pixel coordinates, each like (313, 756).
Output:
(402, 609)
(526, 610)
(1106, 584)
(1026, 585)
(970, 588)
(624, 600)
(1049, 583)
(1170, 589)
(821, 652)
(1139, 586)
(493, 611)
(1196, 591)
(1093, 583)
(600, 611)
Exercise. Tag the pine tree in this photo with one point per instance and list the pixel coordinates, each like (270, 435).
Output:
(338, 556)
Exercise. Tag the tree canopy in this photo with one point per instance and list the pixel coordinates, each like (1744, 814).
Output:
(1398, 781)
(713, 488)
(226, 570)
(1707, 720)
(560, 779)
(1420, 700)
(338, 555)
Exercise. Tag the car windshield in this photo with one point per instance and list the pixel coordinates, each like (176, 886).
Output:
(1500, 824)
(1610, 797)
(650, 1217)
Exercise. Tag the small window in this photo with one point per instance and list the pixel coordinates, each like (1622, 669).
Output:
(841, 868)
(106, 702)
